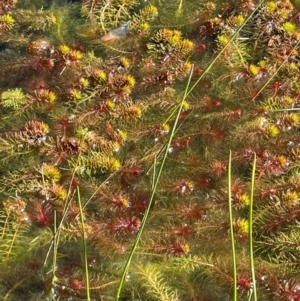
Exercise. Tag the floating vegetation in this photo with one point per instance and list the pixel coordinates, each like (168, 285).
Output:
(117, 120)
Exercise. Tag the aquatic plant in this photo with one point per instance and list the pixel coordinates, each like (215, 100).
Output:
(116, 123)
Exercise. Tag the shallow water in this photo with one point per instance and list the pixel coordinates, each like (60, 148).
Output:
(86, 116)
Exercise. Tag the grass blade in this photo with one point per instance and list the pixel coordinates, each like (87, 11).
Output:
(231, 231)
(154, 187)
(276, 71)
(224, 48)
(189, 90)
(86, 266)
(251, 229)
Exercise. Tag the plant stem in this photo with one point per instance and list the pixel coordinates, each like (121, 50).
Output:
(216, 58)
(231, 231)
(223, 49)
(154, 187)
(86, 266)
(276, 71)
(251, 229)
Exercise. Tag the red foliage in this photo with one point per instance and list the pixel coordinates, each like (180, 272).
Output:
(179, 143)
(131, 171)
(193, 211)
(64, 125)
(234, 114)
(178, 249)
(290, 290)
(214, 134)
(183, 187)
(76, 284)
(210, 103)
(40, 47)
(217, 168)
(139, 202)
(244, 283)
(184, 231)
(41, 214)
(204, 182)
(7, 6)
(204, 31)
(125, 225)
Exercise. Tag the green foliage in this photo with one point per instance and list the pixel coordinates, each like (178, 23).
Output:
(107, 13)
(90, 92)
(282, 247)
(13, 98)
(192, 263)
(35, 20)
(170, 43)
(140, 22)
(156, 284)
(14, 227)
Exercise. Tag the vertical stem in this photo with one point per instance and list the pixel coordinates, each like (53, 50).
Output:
(224, 48)
(231, 231)
(154, 187)
(55, 243)
(5, 224)
(54, 257)
(251, 229)
(190, 89)
(13, 239)
(86, 266)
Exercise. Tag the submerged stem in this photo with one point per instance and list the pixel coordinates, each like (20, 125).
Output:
(86, 265)
(231, 231)
(251, 229)
(154, 187)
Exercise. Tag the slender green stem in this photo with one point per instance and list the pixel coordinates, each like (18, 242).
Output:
(54, 257)
(251, 229)
(231, 231)
(15, 286)
(178, 108)
(154, 187)
(286, 110)
(224, 48)
(216, 58)
(179, 9)
(86, 266)
(276, 71)
(55, 242)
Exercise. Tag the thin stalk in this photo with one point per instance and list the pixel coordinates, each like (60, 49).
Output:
(216, 58)
(224, 48)
(98, 188)
(154, 187)
(286, 110)
(7, 295)
(86, 266)
(54, 257)
(276, 71)
(57, 228)
(231, 231)
(179, 9)
(251, 229)
(13, 240)
(55, 249)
